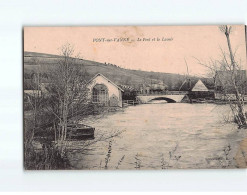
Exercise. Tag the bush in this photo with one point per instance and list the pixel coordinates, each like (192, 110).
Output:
(47, 158)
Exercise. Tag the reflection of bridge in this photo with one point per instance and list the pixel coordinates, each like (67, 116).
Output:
(170, 97)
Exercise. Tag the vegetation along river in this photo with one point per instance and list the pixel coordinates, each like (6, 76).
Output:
(162, 136)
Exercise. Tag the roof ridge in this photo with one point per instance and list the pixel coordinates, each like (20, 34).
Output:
(99, 74)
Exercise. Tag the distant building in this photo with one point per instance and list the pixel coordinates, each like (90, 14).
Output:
(197, 89)
(158, 87)
(37, 92)
(153, 88)
(129, 93)
(193, 85)
(224, 84)
(105, 92)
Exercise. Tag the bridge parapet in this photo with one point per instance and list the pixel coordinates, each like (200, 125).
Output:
(165, 93)
(169, 98)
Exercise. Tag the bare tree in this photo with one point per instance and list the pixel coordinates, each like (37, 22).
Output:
(67, 90)
(227, 72)
(56, 105)
(34, 99)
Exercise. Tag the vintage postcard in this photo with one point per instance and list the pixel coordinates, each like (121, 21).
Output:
(135, 97)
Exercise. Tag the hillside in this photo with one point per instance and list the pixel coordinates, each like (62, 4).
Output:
(119, 75)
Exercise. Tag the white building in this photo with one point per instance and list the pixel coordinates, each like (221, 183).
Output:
(104, 91)
(199, 86)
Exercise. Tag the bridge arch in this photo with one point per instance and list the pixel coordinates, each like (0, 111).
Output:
(169, 100)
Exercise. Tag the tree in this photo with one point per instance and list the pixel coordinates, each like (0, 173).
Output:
(61, 101)
(233, 68)
(227, 72)
(34, 100)
(68, 93)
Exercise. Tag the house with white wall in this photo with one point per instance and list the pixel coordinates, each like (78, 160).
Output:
(104, 91)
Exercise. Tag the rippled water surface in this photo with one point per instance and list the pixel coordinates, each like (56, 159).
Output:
(159, 136)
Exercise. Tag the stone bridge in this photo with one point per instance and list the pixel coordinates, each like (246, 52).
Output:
(169, 98)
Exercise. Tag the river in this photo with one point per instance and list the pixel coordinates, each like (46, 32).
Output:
(162, 136)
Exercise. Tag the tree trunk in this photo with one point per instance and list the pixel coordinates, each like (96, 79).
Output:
(241, 112)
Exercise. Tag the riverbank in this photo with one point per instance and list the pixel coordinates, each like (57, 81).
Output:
(209, 101)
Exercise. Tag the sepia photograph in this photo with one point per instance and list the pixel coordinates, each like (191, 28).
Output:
(135, 97)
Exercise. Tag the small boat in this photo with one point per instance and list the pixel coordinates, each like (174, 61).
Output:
(74, 132)
(80, 132)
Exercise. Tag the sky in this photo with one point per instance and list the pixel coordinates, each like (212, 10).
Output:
(150, 48)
